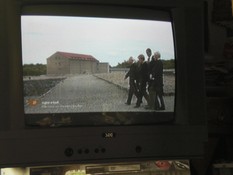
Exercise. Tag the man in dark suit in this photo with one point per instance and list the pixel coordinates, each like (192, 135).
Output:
(133, 79)
(150, 62)
(143, 80)
(157, 81)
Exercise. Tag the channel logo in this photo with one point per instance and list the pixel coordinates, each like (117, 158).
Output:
(32, 102)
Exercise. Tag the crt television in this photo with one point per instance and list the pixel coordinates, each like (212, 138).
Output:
(75, 110)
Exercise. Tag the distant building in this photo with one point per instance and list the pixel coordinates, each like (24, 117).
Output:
(103, 68)
(115, 69)
(62, 63)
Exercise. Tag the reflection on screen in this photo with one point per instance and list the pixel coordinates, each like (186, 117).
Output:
(80, 64)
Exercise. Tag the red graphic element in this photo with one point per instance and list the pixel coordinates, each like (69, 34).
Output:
(163, 164)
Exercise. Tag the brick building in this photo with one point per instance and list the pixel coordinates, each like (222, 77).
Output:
(62, 63)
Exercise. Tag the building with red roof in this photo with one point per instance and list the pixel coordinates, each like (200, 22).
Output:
(62, 63)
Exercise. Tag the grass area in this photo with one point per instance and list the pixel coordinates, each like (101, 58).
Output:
(39, 87)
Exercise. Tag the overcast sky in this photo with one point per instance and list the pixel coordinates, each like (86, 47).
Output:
(108, 40)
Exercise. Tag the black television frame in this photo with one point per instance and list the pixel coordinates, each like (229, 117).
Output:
(183, 139)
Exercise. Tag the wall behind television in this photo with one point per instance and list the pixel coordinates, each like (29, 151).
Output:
(217, 34)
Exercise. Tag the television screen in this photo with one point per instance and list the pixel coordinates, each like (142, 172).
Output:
(115, 68)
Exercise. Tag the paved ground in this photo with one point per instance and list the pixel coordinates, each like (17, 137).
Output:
(87, 93)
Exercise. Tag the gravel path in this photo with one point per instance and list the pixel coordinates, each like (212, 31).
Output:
(87, 93)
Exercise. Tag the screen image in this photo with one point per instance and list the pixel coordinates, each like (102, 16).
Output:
(83, 65)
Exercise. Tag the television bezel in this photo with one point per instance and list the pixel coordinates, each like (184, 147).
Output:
(22, 146)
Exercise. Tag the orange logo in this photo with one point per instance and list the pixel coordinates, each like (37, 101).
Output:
(32, 102)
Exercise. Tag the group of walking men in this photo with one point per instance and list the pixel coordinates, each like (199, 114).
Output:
(146, 80)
